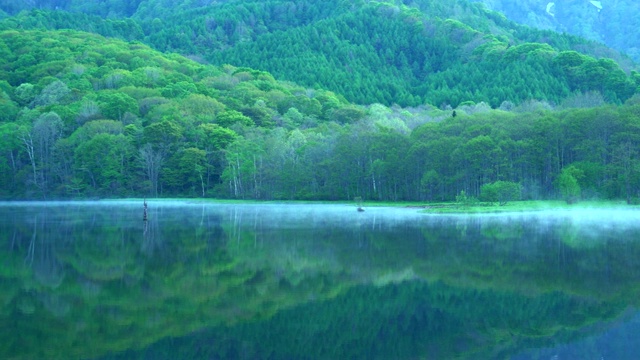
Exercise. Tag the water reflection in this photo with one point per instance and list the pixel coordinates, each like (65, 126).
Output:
(87, 280)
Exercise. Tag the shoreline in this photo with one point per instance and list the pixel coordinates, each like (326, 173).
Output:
(425, 208)
(524, 206)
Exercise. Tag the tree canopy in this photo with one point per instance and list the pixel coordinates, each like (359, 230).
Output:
(89, 116)
(369, 52)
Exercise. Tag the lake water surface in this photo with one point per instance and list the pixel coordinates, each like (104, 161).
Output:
(92, 280)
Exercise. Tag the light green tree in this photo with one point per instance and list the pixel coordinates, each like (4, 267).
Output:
(501, 192)
(114, 105)
(230, 117)
(567, 183)
(104, 161)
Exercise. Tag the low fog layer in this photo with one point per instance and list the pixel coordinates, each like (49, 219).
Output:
(344, 215)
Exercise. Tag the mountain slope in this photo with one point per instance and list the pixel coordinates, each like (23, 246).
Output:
(433, 52)
(614, 23)
(86, 116)
(78, 111)
(388, 54)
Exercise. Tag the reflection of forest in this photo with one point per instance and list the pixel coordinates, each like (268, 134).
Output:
(99, 280)
(406, 320)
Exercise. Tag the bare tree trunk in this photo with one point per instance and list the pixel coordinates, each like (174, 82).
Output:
(152, 160)
(236, 178)
(256, 192)
(27, 140)
(202, 183)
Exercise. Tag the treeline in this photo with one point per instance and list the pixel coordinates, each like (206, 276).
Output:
(83, 116)
(377, 159)
(370, 52)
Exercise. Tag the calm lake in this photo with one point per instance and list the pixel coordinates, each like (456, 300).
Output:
(92, 280)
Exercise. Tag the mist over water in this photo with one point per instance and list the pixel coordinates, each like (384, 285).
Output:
(344, 215)
(200, 270)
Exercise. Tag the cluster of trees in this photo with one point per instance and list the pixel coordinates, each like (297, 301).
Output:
(89, 117)
(370, 52)
(82, 115)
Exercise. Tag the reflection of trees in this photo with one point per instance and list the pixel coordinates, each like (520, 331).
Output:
(41, 253)
(83, 271)
(509, 254)
(526, 285)
(502, 252)
(152, 237)
(399, 321)
(32, 244)
(47, 270)
(194, 266)
(36, 240)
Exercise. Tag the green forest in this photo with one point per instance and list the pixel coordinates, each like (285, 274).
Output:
(611, 23)
(433, 52)
(296, 101)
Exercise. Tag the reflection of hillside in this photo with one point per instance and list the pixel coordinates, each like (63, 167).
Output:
(506, 253)
(102, 280)
(398, 321)
(98, 280)
(535, 257)
(553, 285)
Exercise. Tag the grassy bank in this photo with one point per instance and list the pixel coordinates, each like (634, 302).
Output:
(521, 206)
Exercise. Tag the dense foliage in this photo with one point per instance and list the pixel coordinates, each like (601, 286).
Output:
(86, 116)
(370, 52)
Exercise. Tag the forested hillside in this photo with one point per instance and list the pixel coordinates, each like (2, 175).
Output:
(86, 116)
(440, 53)
(394, 54)
(614, 23)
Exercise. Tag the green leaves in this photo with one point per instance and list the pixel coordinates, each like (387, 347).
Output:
(329, 45)
(180, 89)
(185, 171)
(8, 108)
(568, 184)
(114, 105)
(501, 192)
(216, 137)
(231, 117)
(162, 134)
(104, 162)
